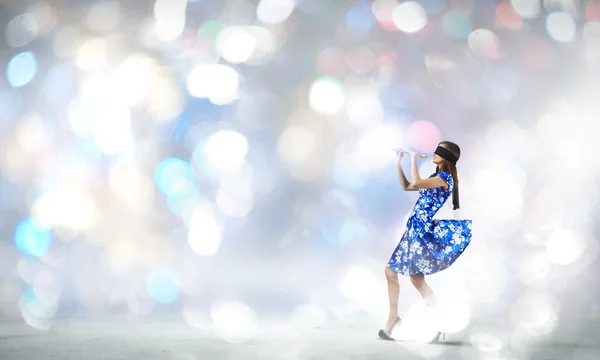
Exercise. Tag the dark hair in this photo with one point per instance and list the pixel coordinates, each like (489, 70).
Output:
(448, 167)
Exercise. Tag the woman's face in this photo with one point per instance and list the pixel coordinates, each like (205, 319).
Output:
(438, 160)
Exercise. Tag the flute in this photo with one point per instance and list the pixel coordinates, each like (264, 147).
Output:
(397, 150)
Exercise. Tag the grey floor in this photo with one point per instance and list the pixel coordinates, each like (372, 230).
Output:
(173, 339)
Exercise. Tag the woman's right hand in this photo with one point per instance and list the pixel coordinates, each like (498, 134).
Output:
(399, 155)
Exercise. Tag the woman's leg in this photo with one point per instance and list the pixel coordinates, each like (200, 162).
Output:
(393, 293)
(427, 294)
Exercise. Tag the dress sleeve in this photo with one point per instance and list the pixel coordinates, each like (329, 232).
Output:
(446, 177)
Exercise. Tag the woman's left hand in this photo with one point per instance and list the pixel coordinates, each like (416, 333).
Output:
(415, 155)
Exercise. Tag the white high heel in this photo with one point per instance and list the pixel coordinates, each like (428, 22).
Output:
(436, 338)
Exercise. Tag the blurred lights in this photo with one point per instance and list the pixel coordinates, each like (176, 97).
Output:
(326, 96)
(565, 246)
(163, 286)
(484, 44)
(359, 17)
(226, 149)
(173, 175)
(409, 17)
(20, 31)
(169, 19)
(104, 16)
(457, 23)
(21, 69)
(235, 199)
(92, 55)
(561, 26)
(204, 236)
(274, 11)
(536, 313)
(33, 237)
(433, 6)
(219, 83)
(235, 321)
(111, 127)
(66, 208)
(235, 45)
(529, 9)
(295, 144)
(508, 17)
(423, 135)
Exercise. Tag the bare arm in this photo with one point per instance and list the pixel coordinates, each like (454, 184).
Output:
(429, 183)
(418, 183)
(414, 169)
(402, 178)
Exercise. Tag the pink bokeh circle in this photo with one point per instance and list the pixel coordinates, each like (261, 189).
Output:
(423, 136)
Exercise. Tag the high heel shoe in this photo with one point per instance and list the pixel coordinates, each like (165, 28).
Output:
(387, 335)
(437, 336)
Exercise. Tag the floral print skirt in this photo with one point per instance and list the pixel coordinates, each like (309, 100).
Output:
(428, 247)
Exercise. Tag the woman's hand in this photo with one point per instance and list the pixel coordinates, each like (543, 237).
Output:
(415, 155)
(399, 155)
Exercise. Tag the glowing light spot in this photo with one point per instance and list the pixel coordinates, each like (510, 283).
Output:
(529, 9)
(212, 28)
(484, 44)
(66, 208)
(508, 17)
(132, 77)
(21, 69)
(326, 96)
(219, 83)
(80, 115)
(364, 107)
(457, 23)
(423, 135)
(44, 16)
(235, 199)
(226, 149)
(104, 16)
(33, 238)
(295, 144)
(163, 286)
(409, 17)
(564, 247)
(236, 45)
(66, 41)
(32, 132)
(112, 128)
(235, 321)
(36, 312)
(383, 9)
(92, 55)
(204, 235)
(359, 17)
(274, 11)
(169, 19)
(173, 175)
(433, 6)
(360, 285)
(535, 312)
(351, 231)
(561, 26)
(21, 30)
(348, 174)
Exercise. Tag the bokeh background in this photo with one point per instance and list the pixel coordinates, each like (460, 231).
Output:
(228, 162)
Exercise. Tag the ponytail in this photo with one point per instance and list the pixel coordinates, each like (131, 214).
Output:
(455, 199)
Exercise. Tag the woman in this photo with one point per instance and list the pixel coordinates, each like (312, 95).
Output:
(428, 246)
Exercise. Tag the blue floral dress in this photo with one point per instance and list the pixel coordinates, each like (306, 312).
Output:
(429, 246)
